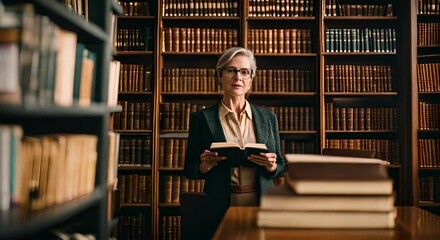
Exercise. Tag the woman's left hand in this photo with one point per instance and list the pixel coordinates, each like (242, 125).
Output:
(269, 160)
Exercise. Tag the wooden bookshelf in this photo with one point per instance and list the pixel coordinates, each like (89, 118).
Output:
(337, 73)
(72, 137)
(428, 100)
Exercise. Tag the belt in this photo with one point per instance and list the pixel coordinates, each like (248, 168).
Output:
(243, 189)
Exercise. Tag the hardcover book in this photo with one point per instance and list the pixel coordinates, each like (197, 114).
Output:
(283, 198)
(236, 155)
(326, 219)
(319, 174)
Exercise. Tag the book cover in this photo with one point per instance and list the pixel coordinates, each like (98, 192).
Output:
(283, 198)
(236, 155)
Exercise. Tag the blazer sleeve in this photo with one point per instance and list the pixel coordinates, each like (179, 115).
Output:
(195, 146)
(276, 136)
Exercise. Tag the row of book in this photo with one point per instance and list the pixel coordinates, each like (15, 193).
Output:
(173, 185)
(136, 8)
(134, 39)
(335, 8)
(429, 153)
(297, 146)
(295, 118)
(429, 188)
(280, 40)
(181, 39)
(134, 78)
(133, 226)
(284, 80)
(45, 170)
(175, 115)
(428, 34)
(428, 79)
(170, 228)
(360, 119)
(40, 70)
(172, 152)
(358, 78)
(281, 8)
(360, 40)
(134, 151)
(327, 192)
(386, 149)
(189, 80)
(134, 188)
(268, 80)
(215, 8)
(135, 115)
(428, 7)
(429, 116)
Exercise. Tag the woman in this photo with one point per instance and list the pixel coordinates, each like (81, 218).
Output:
(233, 119)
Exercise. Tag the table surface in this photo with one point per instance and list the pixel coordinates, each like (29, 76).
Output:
(412, 223)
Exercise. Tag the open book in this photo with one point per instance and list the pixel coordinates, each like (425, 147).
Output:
(236, 155)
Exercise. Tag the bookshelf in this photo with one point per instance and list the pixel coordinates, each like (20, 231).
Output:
(58, 143)
(428, 88)
(136, 50)
(337, 73)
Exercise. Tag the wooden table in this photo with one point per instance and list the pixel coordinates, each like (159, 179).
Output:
(411, 224)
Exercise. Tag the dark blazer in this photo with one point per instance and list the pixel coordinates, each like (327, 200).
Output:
(205, 128)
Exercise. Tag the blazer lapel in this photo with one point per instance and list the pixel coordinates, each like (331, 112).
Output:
(212, 118)
(262, 126)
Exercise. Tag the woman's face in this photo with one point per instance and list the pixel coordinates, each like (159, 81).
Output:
(240, 84)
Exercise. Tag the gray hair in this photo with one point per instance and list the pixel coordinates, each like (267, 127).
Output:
(231, 53)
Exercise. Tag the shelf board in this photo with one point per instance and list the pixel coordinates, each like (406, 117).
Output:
(191, 53)
(428, 56)
(134, 53)
(169, 205)
(358, 53)
(281, 18)
(361, 18)
(174, 134)
(57, 111)
(135, 93)
(22, 222)
(299, 132)
(67, 19)
(133, 132)
(138, 17)
(426, 204)
(360, 93)
(212, 18)
(286, 54)
(428, 46)
(124, 167)
(177, 169)
(429, 93)
(204, 93)
(429, 168)
(360, 131)
(135, 205)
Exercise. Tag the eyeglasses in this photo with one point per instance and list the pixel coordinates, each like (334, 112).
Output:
(245, 73)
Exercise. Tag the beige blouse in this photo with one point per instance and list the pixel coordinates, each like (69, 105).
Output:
(240, 131)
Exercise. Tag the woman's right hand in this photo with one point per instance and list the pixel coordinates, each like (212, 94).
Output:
(209, 160)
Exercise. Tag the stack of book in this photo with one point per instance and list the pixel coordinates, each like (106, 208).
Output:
(330, 192)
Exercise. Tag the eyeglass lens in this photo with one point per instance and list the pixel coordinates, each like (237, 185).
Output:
(244, 72)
